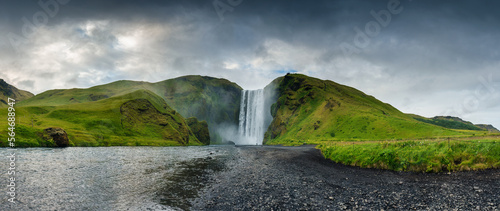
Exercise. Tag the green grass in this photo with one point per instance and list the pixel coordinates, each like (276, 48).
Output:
(28, 137)
(99, 123)
(418, 156)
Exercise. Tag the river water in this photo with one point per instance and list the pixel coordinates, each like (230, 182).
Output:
(111, 178)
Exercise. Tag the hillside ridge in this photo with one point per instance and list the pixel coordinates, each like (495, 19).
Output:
(9, 91)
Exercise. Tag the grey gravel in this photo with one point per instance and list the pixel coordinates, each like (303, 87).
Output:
(299, 178)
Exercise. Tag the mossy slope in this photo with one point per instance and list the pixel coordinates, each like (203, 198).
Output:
(310, 110)
(214, 100)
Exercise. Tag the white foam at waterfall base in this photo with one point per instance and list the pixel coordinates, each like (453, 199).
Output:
(252, 121)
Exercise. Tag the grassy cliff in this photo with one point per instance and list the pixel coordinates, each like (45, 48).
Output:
(310, 110)
(137, 118)
(214, 100)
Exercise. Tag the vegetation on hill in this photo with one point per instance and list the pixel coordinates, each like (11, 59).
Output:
(352, 128)
(214, 100)
(59, 97)
(310, 110)
(449, 122)
(489, 128)
(210, 99)
(137, 118)
(200, 129)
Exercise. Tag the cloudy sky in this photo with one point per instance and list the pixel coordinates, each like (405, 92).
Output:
(424, 57)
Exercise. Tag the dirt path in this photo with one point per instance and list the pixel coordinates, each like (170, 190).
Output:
(299, 178)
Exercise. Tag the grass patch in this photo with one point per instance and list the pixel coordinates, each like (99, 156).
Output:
(417, 156)
(28, 137)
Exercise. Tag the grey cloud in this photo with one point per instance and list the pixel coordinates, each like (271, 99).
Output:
(432, 51)
(27, 83)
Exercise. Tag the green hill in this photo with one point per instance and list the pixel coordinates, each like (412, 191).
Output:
(304, 110)
(60, 97)
(210, 99)
(453, 123)
(487, 127)
(7, 90)
(136, 118)
(214, 100)
(311, 110)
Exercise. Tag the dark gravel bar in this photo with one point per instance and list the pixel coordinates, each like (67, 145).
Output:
(299, 178)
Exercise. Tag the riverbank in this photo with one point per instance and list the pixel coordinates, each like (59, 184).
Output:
(231, 178)
(295, 178)
(417, 155)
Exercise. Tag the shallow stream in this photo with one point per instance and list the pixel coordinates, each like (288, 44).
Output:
(111, 178)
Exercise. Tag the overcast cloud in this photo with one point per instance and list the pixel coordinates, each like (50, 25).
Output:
(431, 58)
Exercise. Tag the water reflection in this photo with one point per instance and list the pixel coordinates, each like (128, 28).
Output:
(190, 177)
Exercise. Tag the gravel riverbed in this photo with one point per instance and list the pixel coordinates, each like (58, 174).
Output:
(299, 178)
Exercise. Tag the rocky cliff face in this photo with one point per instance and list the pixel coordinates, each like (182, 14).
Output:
(7, 90)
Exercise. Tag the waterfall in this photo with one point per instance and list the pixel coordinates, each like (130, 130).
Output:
(254, 117)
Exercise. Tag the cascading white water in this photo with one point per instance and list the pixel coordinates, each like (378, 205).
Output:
(252, 123)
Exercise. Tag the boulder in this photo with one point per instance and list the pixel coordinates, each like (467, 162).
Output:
(59, 136)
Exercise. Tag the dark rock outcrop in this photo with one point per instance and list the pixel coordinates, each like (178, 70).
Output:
(59, 136)
(200, 129)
